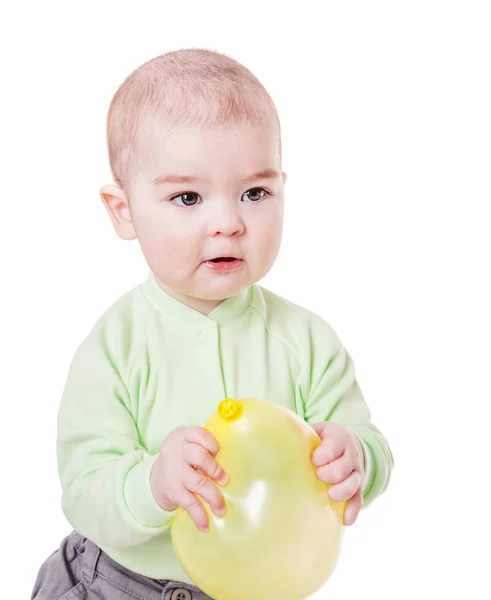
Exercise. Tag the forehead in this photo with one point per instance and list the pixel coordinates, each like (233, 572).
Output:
(198, 149)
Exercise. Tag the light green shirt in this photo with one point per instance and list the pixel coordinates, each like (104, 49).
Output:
(151, 364)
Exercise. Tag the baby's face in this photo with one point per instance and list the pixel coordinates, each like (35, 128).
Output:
(200, 194)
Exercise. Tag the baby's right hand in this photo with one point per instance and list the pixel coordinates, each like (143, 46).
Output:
(184, 467)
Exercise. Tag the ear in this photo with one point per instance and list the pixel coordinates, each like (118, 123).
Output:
(117, 205)
(284, 177)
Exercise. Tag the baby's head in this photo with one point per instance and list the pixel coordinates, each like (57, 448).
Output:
(195, 150)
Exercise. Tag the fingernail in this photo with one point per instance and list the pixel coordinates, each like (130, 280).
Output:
(224, 479)
(221, 512)
(205, 529)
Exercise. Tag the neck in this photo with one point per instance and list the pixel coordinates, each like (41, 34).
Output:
(202, 305)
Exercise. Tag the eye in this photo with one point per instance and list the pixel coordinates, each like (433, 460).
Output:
(255, 194)
(188, 199)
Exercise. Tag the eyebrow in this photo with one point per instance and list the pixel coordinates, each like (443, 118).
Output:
(167, 179)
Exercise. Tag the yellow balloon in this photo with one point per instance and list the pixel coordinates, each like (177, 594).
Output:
(282, 533)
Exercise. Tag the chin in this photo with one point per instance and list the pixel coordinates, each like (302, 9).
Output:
(219, 290)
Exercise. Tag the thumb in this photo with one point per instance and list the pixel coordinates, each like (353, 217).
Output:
(319, 428)
(353, 507)
(323, 428)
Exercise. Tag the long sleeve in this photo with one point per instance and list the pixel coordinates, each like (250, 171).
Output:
(104, 469)
(331, 393)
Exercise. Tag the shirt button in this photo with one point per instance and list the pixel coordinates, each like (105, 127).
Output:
(206, 335)
(181, 594)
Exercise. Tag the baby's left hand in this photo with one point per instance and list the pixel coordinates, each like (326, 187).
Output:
(339, 461)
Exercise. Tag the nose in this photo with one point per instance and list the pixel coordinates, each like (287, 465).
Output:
(226, 220)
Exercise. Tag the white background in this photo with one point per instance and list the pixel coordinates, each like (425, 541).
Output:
(386, 116)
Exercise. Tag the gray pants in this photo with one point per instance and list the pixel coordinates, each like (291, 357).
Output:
(80, 570)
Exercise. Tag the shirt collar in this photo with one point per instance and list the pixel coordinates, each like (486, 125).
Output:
(172, 308)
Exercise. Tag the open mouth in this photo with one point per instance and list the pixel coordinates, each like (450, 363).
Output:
(224, 263)
(223, 259)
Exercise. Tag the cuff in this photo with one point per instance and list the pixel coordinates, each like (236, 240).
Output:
(140, 499)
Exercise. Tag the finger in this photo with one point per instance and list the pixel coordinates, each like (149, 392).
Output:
(197, 483)
(338, 470)
(332, 447)
(347, 488)
(199, 435)
(191, 504)
(353, 507)
(201, 459)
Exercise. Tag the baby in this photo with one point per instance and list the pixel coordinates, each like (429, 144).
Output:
(195, 150)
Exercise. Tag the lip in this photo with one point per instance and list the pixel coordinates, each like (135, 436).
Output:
(224, 266)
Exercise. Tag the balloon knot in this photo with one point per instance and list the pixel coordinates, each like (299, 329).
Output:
(229, 409)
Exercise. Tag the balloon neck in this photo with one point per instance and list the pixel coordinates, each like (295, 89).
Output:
(229, 409)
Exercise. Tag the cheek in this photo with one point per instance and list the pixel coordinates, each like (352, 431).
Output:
(166, 240)
(267, 231)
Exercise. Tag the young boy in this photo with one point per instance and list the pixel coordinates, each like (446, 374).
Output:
(195, 150)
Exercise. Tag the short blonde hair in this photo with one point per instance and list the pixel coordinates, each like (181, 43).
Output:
(189, 86)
